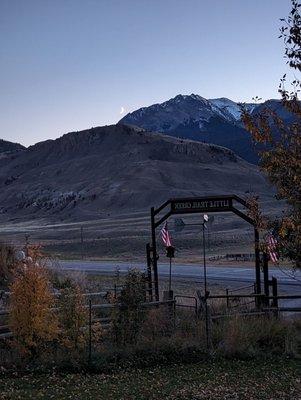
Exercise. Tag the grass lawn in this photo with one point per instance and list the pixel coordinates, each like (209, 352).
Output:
(277, 379)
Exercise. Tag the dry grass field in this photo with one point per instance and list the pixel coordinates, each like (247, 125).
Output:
(123, 236)
(270, 379)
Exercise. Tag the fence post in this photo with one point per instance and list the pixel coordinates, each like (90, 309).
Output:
(227, 294)
(149, 271)
(257, 267)
(154, 251)
(275, 295)
(174, 314)
(265, 265)
(196, 309)
(90, 330)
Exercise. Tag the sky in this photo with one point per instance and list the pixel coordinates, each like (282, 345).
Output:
(68, 65)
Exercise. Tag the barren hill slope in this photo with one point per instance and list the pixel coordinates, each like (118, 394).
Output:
(87, 174)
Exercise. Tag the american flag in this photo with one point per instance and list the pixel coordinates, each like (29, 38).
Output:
(272, 248)
(165, 236)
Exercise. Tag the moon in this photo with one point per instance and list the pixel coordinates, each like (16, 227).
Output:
(122, 110)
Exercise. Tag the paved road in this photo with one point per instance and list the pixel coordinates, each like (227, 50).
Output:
(229, 276)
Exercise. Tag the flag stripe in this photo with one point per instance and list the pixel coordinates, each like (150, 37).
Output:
(165, 236)
(272, 248)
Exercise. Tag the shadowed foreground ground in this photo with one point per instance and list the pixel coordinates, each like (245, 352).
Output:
(232, 379)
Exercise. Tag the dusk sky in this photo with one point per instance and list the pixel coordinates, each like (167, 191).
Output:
(72, 64)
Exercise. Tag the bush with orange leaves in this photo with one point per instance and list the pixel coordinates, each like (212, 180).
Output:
(32, 319)
(35, 253)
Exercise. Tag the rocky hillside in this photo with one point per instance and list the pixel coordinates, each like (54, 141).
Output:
(9, 147)
(116, 168)
(193, 117)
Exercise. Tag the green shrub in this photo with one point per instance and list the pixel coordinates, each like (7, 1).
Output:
(73, 318)
(158, 323)
(8, 265)
(128, 315)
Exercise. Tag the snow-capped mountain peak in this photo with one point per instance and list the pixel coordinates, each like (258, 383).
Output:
(226, 107)
(194, 117)
(216, 121)
(179, 110)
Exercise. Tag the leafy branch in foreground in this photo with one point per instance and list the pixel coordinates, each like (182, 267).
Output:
(279, 143)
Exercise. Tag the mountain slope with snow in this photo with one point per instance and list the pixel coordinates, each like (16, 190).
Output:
(224, 107)
(216, 121)
(182, 109)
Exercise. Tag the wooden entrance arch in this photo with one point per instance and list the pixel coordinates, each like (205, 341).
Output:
(193, 205)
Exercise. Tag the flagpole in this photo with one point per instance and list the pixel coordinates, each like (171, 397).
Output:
(204, 260)
(170, 250)
(205, 219)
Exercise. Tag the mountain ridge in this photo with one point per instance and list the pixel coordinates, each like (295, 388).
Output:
(214, 121)
(9, 147)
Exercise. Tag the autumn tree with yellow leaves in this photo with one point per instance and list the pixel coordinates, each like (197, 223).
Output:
(32, 319)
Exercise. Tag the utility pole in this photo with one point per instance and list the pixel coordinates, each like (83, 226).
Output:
(82, 240)
(26, 244)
